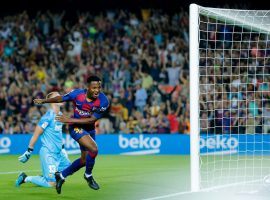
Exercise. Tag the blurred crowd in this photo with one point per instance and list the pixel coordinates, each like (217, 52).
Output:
(142, 59)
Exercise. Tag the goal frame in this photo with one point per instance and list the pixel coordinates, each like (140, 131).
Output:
(194, 56)
(194, 97)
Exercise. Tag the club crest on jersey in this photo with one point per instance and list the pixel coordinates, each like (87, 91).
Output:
(78, 130)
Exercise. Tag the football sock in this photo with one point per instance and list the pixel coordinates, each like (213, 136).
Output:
(87, 175)
(75, 166)
(90, 162)
(37, 180)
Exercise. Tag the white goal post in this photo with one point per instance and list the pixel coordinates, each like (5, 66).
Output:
(229, 96)
(194, 96)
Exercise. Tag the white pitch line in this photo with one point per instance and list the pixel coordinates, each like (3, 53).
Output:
(16, 172)
(168, 195)
(37, 170)
(202, 190)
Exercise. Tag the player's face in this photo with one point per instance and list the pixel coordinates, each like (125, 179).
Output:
(94, 89)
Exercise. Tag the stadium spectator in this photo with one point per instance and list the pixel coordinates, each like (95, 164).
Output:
(140, 98)
(46, 52)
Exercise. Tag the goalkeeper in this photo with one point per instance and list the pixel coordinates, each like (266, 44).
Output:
(53, 157)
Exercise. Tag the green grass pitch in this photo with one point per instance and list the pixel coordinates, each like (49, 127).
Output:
(120, 178)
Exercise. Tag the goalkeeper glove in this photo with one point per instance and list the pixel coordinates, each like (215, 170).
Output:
(25, 157)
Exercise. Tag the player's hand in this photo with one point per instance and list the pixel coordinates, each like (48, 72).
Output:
(62, 118)
(25, 157)
(39, 101)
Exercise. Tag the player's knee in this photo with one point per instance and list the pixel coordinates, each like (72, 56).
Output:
(94, 150)
(93, 154)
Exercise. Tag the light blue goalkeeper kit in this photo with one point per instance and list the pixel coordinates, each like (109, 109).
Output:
(51, 155)
(51, 138)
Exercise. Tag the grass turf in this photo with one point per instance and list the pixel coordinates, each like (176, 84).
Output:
(120, 178)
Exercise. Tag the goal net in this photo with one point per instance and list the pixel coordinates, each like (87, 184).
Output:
(230, 97)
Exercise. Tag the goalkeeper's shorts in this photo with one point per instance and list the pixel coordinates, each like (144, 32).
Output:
(51, 163)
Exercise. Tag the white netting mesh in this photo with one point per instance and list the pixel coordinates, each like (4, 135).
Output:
(234, 73)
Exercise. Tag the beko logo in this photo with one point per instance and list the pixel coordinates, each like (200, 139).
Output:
(4, 145)
(145, 145)
(219, 142)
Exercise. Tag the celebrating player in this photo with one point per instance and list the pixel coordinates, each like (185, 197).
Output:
(52, 156)
(89, 105)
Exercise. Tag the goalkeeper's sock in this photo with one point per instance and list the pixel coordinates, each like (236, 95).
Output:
(37, 180)
(75, 166)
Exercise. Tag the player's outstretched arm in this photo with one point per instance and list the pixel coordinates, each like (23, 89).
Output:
(27, 154)
(65, 119)
(57, 99)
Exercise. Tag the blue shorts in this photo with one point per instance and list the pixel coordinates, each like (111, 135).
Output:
(52, 162)
(76, 133)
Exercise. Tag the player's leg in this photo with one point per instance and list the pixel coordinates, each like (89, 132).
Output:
(74, 166)
(90, 162)
(86, 144)
(87, 158)
(90, 159)
(49, 166)
(37, 180)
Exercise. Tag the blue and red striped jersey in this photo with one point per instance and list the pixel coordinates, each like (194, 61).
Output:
(83, 108)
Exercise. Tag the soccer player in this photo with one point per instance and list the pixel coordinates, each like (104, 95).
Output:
(52, 155)
(89, 106)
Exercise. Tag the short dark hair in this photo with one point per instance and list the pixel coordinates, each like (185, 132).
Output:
(93, 78)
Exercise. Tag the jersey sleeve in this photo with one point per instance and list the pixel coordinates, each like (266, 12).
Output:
(104, 105)
(44, 121)
(70, 96)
